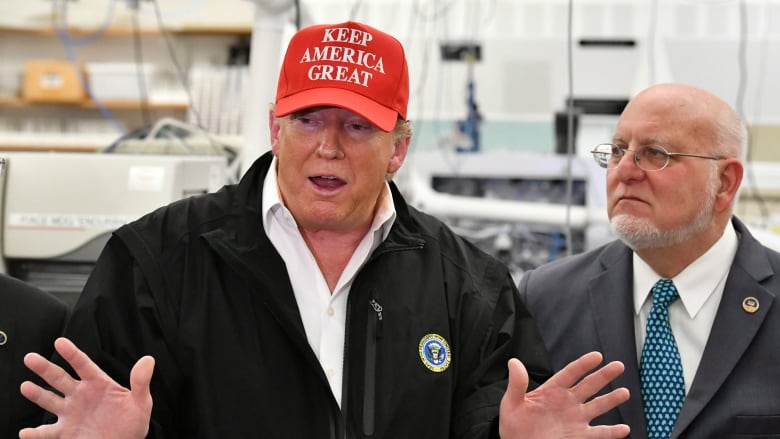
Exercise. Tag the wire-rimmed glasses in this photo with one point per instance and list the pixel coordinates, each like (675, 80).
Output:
(647, 157)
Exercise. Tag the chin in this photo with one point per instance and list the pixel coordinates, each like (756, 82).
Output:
(637, 233)
(641, 233)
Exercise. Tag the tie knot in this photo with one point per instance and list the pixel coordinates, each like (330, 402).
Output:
(664, 292)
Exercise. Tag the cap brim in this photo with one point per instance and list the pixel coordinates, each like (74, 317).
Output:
(383, 117)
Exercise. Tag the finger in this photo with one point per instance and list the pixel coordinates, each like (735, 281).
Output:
(45, 399)
(518, 382)
(140, 379)
(604, 403)
(47, 431)
(575, 370)
(591, 384)
(609, 431)
(81, 363)
(54, 375)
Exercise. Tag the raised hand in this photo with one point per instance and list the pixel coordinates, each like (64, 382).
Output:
(95, 406)
(562, 407)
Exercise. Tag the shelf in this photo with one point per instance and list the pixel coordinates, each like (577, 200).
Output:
(77, 142)
(41, 142)
(28, 124)
(225, 30)
(111, 104)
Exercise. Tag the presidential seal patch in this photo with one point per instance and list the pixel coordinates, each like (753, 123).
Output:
(435, 352)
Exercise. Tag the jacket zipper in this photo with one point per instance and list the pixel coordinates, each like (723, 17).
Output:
(373, 334)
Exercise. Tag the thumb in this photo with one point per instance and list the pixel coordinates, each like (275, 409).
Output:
(518, 382)
(140, 379)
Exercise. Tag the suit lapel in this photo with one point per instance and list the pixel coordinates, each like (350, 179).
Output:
(612, 304)
(733, 329)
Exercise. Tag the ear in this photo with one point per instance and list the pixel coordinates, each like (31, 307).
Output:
(731, 172)
(399, 155)
(273, 127)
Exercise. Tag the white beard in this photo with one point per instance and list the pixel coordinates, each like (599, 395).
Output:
(641, 233)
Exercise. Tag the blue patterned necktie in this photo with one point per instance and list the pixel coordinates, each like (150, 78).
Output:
(663, 386)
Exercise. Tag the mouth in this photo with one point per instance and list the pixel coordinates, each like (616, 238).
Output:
(628, 202)
(327, 182)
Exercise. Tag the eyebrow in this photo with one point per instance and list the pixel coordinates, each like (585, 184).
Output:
(642, 142)
(305, 111)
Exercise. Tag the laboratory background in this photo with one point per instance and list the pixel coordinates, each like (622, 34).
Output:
(112, 108)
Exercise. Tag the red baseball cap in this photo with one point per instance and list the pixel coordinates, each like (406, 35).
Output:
(347, 65)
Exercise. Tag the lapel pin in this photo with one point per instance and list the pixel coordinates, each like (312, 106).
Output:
(750, 304)
(3, 338)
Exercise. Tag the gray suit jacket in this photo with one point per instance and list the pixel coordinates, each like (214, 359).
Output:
(584, 303)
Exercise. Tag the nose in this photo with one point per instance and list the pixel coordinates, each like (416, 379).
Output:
(628, 168)
(329, 146)
(634, 160)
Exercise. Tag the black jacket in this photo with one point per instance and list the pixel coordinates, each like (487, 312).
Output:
(30, 321)
(199, 286)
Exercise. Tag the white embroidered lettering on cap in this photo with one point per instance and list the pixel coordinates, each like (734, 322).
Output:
(347, 35)
(348, 65)
(364, 62)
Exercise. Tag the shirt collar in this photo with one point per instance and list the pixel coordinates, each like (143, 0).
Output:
(697, 281)
(272, 202)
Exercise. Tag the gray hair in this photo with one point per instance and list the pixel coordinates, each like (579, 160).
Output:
(730, 134)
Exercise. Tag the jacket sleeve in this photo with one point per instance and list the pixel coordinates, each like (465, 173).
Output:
(495, 326)
(118, 319)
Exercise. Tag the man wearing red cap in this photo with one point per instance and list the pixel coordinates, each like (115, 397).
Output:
(309, 300)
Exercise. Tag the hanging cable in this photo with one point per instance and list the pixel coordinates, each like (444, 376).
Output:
(93, 36)
(218, 146)
(651, 35)
(420, 20)
(740, 104)
(298, 14)
(60, 26)
(422, 80)
(143, 94)
(569, 126)
(437, 13)
(354, 9)
(180, 75)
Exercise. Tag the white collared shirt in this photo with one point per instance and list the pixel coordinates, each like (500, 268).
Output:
(701, 287)
(323, 313)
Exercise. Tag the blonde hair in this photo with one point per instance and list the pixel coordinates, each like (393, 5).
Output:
(402, 130)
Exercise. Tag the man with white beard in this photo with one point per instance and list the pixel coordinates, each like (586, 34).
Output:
(704, 366)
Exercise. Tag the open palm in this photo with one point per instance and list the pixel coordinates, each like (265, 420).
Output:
(94, 406)
(562, 407)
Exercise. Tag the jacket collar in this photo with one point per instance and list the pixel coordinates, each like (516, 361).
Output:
(243, 243)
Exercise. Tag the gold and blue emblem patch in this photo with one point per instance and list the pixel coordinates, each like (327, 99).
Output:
(435, 352)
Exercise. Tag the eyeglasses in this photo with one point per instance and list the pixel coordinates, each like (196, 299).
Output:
(648, 157)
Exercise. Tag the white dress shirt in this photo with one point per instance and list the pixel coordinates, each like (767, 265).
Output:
(323, 313)
(701, 287)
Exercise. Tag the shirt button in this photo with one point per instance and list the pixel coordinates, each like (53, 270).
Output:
(329, 373)
(331, 311)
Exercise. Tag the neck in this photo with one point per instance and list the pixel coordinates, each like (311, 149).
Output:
(670, 261)
(332, 251)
